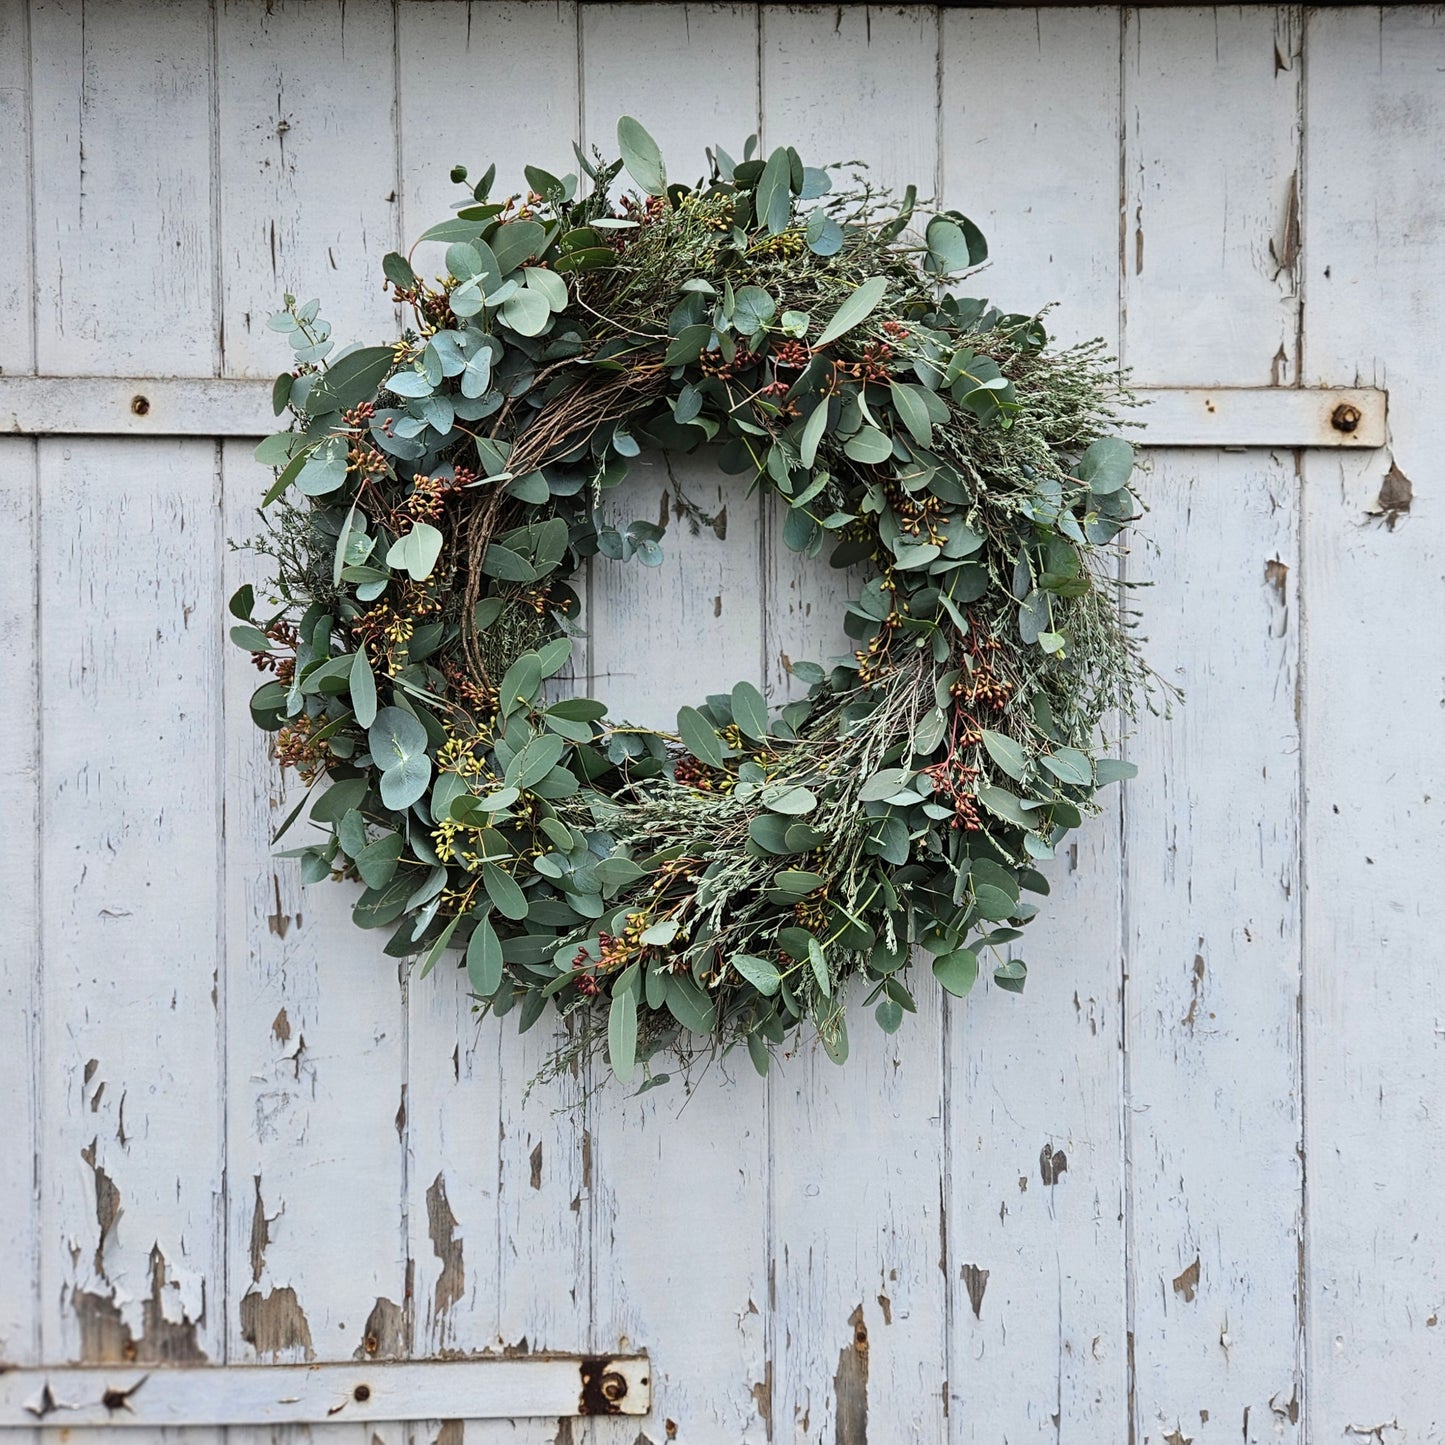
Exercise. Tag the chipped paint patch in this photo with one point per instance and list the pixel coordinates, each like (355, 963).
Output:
(1186, 1283)
(275, 1324)
(106, 1337)
(975, 1281)
(447, 1246)
(850, 1386)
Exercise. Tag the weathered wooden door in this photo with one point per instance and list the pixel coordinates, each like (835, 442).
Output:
(1185, 1190)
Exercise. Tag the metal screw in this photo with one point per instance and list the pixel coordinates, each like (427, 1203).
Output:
(1345, 417)
(361, 1393)
(140, 405)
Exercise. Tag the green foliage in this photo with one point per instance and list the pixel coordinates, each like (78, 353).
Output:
(731, 879)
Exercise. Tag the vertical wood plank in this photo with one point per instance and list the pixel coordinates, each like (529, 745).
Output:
(680, 1203)
(132, 1163)
(1211, 884)
(306, 171)
(498, 1177)
(1210, 236)
(21, 1061)
(122, 124)
(316, 1022)
(1036, 1165)
(860, 1334)
(132, 1168)
(1374, 1007)
(17, 284)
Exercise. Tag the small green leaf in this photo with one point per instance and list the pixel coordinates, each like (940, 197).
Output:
(773, 199)
(1106, 466)
(484, 960)
(818, 961)
(250, 638)
(527, 313)
(883, 784)
(750, 712)
(957, 971)
(641, 156)
(1114, 770)
(1011, 975)
(699, 737)
(759, 972)
(1009, 756)
(753, 310)
(1069, 765)
(502, 889)
(912, 411)
(243, 603)
(363, 688)
(813, 430)
(791, 802)
(622, 1034)
(857, 308)
(535, 761)
(351, 380)
(438, 947)
(869, 446)
(417, 552)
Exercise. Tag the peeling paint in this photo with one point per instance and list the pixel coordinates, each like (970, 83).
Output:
(447, 1246)
(1053, 1163)
(260, 1235)
(1397, 492)
(850, 1386)
(281, 1027)
(105, 1337)
(1186, 1283)
(762, 1393)
(535, 1159)
(107, 1205)
(275, 1323)
(385, 1335)
(975, 1281)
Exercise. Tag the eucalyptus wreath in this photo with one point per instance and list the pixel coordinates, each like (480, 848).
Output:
(727, 882)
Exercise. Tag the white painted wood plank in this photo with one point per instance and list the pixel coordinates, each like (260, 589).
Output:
(132, 1177)
(497, 1211)
(681, 1179)
(306, 171)
(1052, 228)
(21, 1063)
(315, 1060)
(316, 1023)
(1210, 230)
(1373, 1003)
(124, 278)
(859, 1342)
(1036, 1160)
(17, 286)
(1212, 829)
(1212, 913)
(332, 1395)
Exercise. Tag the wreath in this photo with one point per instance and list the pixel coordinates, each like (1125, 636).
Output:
(725, 883)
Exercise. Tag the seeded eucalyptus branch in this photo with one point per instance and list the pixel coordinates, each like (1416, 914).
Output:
(724, 883)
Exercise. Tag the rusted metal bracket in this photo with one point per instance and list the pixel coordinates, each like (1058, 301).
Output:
(1255, 416)
(479, 1388)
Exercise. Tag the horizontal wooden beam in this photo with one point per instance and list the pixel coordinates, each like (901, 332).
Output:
(1263, 416)
(480, 1388)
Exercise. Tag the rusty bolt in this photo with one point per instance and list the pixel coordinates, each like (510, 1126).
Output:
(1345, 417)
(361, 1394)
(140, 405)
(372, 1344)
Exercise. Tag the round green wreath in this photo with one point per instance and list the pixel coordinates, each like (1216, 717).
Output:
(728, 881)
